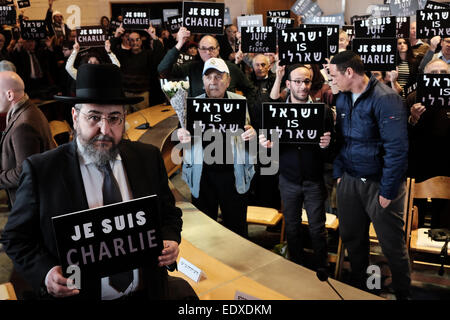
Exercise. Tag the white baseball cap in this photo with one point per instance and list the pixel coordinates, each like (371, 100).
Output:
(215, 63)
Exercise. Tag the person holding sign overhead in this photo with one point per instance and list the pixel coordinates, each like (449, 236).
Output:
(220, 184)
(208, 47)
(97, 168)
(91, 58)
(370, 169)
(301, 174)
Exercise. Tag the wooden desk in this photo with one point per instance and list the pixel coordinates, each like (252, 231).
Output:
(257, 266)
(152, 115)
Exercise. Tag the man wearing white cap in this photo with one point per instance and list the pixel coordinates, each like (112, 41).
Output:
(224, 185)
(55, 23)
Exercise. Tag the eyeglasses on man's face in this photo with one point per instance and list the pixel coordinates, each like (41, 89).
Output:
(94, 119)
(210, 49)
(300, 82)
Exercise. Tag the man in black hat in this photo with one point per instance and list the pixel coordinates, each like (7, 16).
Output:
(71, 178)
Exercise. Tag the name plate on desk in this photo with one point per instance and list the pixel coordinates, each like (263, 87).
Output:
(191, 271)
(239, 295)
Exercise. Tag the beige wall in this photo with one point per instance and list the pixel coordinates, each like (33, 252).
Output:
(90, 11)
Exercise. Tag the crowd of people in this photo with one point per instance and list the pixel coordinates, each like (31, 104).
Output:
(375, 136)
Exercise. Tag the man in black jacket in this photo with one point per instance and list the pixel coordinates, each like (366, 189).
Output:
(301, 175)
(70, 178)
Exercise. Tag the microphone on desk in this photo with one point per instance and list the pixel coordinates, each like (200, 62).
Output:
(145, 125)
(322, 275)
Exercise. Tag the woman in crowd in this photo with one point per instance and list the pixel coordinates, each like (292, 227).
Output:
(407, 66)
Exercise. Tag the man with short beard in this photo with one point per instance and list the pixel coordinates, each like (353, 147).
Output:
(72, 178)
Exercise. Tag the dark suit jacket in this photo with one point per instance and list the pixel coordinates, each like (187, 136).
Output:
(27, 133)
(51, 185)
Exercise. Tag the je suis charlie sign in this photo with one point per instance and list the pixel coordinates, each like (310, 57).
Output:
(110, 239)
(204, 17)
(91, 36)
(136, 19)
(376, 54)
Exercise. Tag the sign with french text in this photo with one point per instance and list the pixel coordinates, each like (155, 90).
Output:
(376, 54)
(302, 45)
(258, 40)
(280, 23)
(404, 8)
(170, 13)
(173, 24)
(330, 19)
(384, 27)
(433, 90)
(402, 27)
(379, 10)
(431, 23)
(350, 30)
(136, 19)
(91, 36)
(110, 239)
(433, 5)
(204, 17)
(7, 15)
(33, 29)
(215, 114)
(249, 21)
(299, 123)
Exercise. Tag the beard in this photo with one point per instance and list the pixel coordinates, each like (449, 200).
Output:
(100, 155)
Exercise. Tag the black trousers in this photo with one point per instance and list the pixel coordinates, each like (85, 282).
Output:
(311, 195)
(357, 206)
(217, 188)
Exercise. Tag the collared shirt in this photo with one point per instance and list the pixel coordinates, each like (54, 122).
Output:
(93, 183)
(14, 108)
(441, 56)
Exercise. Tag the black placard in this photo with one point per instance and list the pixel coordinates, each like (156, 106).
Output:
(184, 58)
(110, 239)
(376, 54)
(280, 23)
(404, 8)
(433, 90)
(431, 23)
(258, 40)
(215, 114)
(204, 17)
(350, 30)
(174, 23)
(353, 19)
(336, 19)
(299, 123)
(136, 19)
(91, 36)
(279, 13)
(409, 88)
(403, 27)
(33, 29)
(332, 37)
(302, 45)
(432, 5)
(6, 2)
(383, 27)
(7, 15)
(23, 3)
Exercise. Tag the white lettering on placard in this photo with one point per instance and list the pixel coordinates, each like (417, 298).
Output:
(190, 270)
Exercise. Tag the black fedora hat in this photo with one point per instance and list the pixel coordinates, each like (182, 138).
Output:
(99, 84)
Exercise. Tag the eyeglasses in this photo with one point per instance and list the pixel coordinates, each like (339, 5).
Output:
(210, 49)
(95, 119)
(299, 82)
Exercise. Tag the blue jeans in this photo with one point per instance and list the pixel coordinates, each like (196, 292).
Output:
(311, 195)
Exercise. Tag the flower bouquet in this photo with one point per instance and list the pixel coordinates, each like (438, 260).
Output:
(176, 93)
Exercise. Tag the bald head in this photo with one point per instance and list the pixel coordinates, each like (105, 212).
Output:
(12, 89)
(437, 66)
